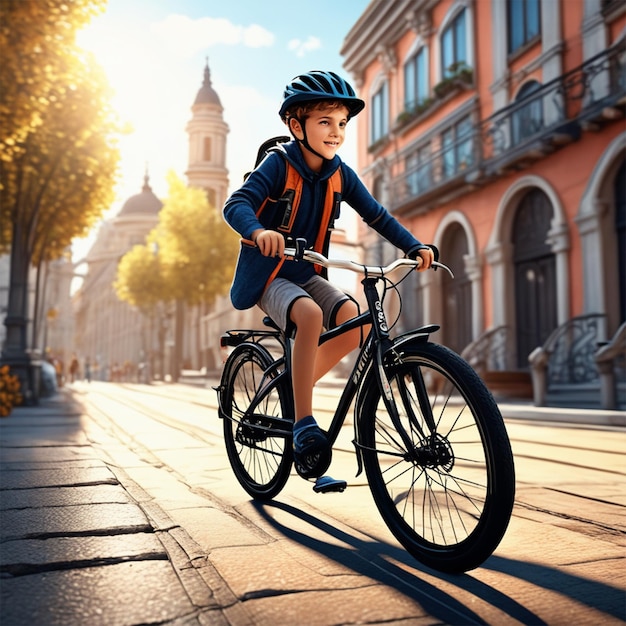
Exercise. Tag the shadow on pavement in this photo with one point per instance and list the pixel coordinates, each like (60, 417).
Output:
(372, 559)
(594, 594)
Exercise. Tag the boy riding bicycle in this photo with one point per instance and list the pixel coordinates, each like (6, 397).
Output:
(316, 108)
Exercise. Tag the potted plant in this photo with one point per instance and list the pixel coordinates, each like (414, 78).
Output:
(459, 76)
(10, 395)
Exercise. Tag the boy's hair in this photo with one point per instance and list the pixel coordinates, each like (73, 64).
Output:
(302, 110)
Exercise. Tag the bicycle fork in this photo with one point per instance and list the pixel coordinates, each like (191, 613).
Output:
(385, 355)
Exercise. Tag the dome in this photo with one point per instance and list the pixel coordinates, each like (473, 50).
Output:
(145, 202)
(206, 94)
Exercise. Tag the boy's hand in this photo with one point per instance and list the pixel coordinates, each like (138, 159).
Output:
(269, 242)
(427, 256)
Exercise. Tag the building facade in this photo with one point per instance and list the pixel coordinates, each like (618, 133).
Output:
(495, 130)
(112, 339)
(111, 334)
(207, 170)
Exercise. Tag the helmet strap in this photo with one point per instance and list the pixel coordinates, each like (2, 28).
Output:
(304, 141)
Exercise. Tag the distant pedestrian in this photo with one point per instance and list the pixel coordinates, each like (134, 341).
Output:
(73, 368)
(88, 370)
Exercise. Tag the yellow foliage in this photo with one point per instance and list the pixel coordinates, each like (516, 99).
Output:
(58, 132)
(198, 249)
(10, 395)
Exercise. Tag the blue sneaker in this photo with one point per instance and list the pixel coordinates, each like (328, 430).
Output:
(308, 437)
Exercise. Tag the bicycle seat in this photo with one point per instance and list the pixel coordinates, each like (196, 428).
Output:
(268, 321)
(325, 484)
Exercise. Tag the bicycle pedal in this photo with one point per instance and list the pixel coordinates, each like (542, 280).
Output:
(326, 484)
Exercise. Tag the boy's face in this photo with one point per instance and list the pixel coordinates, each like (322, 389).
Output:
(325, 130)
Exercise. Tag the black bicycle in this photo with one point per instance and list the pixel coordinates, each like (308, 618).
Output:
(427, 430)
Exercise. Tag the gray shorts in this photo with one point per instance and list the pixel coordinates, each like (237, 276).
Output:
(281, 294)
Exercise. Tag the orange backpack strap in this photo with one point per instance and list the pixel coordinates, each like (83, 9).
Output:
(330, 213)
(290, 199)
(287, 204)
(287, 209)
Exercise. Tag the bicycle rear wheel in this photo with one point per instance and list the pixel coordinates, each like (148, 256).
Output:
(257, 437)
(442, 474)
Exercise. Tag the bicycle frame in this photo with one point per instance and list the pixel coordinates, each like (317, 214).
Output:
(427, 432)
(375, 347)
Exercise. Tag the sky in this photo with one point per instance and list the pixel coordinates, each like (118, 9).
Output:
(154, 53)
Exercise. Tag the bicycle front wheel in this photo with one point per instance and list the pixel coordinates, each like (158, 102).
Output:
(255, 430)
(441, 472)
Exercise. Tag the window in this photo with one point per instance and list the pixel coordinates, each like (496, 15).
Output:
(527, 119)
(457, 147)
(380, 114)
(419, 171)
(206, 156)
(523, 22)
(454, 45)
(415, 80)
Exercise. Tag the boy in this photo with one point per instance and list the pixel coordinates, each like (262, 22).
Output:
(316, 108)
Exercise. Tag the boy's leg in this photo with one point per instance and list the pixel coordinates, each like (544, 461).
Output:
(331, 352)
(307, 316)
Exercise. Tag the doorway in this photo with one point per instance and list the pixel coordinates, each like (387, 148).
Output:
(535, 275)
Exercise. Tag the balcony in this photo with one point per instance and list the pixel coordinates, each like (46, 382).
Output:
(552, 116)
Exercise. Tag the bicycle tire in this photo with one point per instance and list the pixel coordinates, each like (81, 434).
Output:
(260, 461)
(448, 499)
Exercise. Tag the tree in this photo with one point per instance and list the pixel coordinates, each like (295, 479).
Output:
(56, 171)
(139, 281)
(197, 248)
(58, 154)
(34, 37)
(188, 258)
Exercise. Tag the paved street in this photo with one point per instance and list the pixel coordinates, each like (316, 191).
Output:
(119, 507)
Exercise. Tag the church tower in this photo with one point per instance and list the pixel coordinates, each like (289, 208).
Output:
(207, 144)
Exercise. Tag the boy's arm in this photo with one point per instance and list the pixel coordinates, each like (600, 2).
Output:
(375, 215)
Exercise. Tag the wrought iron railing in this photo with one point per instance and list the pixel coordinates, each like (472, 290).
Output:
(571, 349)
(547, 118)
(491, 351)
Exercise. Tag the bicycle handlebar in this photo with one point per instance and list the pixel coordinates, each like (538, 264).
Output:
(370, 270)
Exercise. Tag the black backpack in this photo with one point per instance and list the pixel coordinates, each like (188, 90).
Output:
(265, 147)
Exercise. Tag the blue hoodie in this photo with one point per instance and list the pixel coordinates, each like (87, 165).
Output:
(268, 180)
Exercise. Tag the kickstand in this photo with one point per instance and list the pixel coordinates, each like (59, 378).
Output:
(325, 484)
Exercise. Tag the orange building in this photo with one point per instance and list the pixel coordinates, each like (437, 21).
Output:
(495, 129)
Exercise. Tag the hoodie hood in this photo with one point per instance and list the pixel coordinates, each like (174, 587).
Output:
(293, 154)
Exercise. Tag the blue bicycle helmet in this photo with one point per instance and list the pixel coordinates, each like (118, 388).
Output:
(319, 85)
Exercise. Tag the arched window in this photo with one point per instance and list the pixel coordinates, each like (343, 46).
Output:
(416, 79)
(380, 113)
(454, 45)
(527, 119)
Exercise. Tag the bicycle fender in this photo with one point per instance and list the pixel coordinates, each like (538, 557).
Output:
(370, 379)
(421, 334)
(240, 347)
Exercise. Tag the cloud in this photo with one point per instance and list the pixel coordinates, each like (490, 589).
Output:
(303, 47)
(186, 36)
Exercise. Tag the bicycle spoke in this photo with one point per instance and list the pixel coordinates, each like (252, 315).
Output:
(429, 466)
(256, 439)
